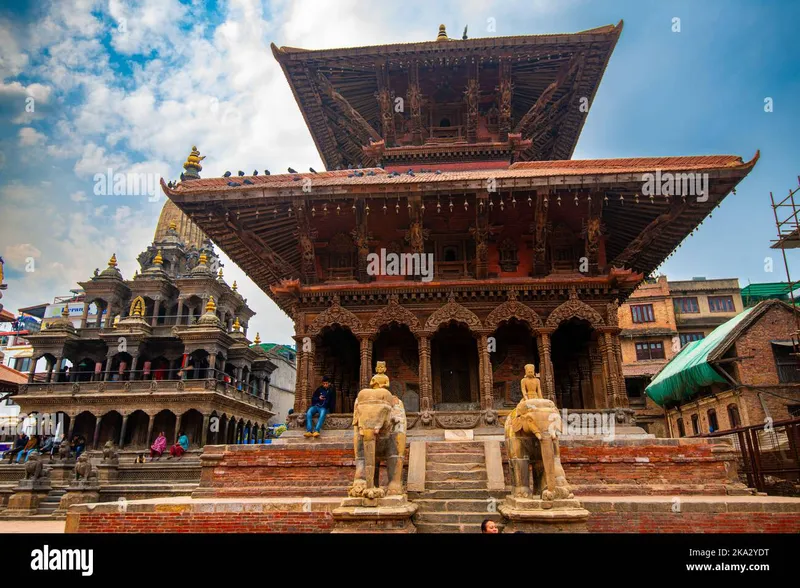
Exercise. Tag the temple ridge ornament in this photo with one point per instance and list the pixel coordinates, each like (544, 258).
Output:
(192, 165)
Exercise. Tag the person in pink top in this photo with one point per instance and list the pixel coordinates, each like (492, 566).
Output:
(158, 447)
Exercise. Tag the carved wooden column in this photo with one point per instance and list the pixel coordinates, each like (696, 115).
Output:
(621, 394)
(361, 238)
(481, 235)
(301, 383)
(598, 392)
(414, 97)
(539, 234)
(546, 363)
(151, 421)
(386, 104)
(96, 435)
(585, 370)
(425, 383)
(485, 372)
(366, 360)
(612, 359)
(177, 427)
(305, 237)
(592, 233)
(504, 98)
(472, 95)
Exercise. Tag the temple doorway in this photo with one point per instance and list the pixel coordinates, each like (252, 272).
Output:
(398, 347)
(514, 347)
(454, 367)
(576, 369)
(339, 358)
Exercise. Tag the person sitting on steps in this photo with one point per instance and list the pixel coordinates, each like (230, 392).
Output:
(321, 405)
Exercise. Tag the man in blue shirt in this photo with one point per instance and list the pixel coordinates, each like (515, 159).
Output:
(321, 405)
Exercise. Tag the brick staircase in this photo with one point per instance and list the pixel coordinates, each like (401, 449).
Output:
(51, 502)
(456, 498)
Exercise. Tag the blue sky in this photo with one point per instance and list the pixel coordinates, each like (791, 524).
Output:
(132, 85)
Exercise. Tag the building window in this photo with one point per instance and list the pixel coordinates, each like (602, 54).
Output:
(695, 424)
(22, 365)
(794, 410)
(689, 337)
(720, 304)
(733, 416)
(786, 364)
(713, 425)
(643, 313)
(650, 350)
(686, 305)
(681, 428)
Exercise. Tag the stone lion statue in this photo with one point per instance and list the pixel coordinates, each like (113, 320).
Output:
(110, 452)
(84, 469)
(34, 467)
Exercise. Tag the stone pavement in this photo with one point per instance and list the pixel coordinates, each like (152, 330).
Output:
(45, 526)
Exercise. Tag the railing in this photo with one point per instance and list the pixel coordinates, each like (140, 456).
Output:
(766, 450)
(162, 320)
(144, 381)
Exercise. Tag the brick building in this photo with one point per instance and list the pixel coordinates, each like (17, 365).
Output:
(742, 373)
(702, 305)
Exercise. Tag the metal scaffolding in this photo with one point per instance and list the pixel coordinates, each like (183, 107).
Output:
(788, 228)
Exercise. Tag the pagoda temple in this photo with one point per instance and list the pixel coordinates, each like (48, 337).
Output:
(459, 150)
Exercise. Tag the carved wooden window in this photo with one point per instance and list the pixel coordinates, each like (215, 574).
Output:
(563, 249)
(341, 257)
(508, 255)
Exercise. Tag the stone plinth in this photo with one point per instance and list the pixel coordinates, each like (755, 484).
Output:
(78, 492)
(382, 515)
(108, 472)
(533, 515)
(61, 473)
(27, 496)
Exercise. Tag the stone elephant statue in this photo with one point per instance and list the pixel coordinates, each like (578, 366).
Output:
(532, 431)
(379, 434)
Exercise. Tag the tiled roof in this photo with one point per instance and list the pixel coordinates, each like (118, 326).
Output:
(8, 374)
(521, 170)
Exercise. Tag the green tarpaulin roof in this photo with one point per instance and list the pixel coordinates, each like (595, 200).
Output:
(690, 370)
(767, 290)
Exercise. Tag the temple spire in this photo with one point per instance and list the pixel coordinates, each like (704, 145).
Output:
(192, 165)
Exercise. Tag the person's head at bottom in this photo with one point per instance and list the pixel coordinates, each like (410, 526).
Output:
(326, 382)
(489, 526)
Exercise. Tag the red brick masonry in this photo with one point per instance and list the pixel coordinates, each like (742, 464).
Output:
(652, 514)
(593, 467)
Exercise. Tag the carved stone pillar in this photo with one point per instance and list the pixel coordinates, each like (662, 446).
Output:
(178, 318)
(300, 404)
(134, 362)
(204, 434)
(425, 382)
(485, 372)
(621, 394)
(596, 364)
(366, 360)
(546, 364)
(585, 370)
(50, 365)
(177, 427)
(122, 432)
(109, 361)
(96, 435)
(156, 309)
(32, 370)
(151, 421)
(227, 425)
(602, 345)
(68, 438)
(612, 354)
(85, 315)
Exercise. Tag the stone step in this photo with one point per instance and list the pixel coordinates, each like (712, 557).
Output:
(486, 505)
(476, 447)
(455, 467)
(457, 518)
(446, 528)
(463, 493)
(468, 484)
(456, 458)
(453, 475)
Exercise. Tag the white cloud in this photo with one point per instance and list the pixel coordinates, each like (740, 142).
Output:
(30, 137)
(94, 160)
(79, 196)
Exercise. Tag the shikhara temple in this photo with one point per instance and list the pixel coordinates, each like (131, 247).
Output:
(459, 148)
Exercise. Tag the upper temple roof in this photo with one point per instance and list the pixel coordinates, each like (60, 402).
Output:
(341, 92)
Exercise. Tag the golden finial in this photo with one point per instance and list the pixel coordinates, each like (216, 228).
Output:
(192, 165)
(173, 225)
(257, 340)
(236, 325)
(219, 273)
(211, 306)
(113, 261)
(235, 286)
(158, 260)
(442, 36)
(203, 259)
(65, 312)
(116, 320)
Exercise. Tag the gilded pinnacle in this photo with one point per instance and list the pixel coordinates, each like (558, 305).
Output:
(113, 261)
(158, 260)
(442, 36)
(236, 325)
(211, 306)
(203, 259)
(235, 286)
(257, 340)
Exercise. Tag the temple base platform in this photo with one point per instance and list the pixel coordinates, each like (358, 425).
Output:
(533, 515)
(391, 514)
